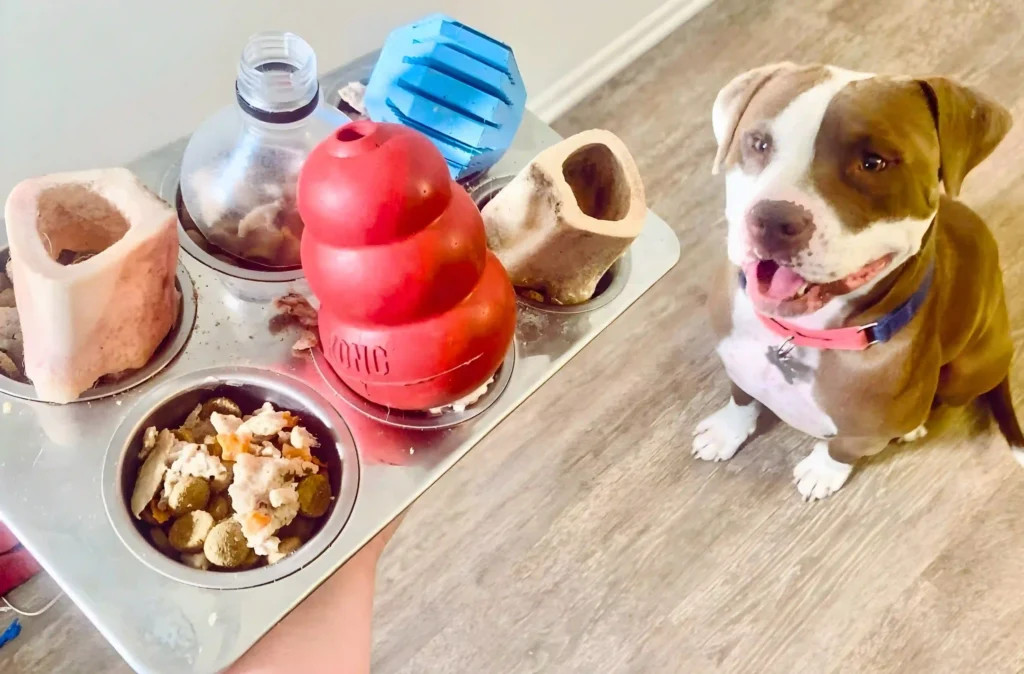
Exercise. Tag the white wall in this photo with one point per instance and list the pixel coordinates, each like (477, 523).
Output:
(94, 83)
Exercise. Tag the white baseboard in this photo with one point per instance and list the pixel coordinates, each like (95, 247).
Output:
(602, 66)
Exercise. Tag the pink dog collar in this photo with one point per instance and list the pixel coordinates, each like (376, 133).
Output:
(856, 338)
(842, 339)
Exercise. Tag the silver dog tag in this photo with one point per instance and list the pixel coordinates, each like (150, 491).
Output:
(781, 357)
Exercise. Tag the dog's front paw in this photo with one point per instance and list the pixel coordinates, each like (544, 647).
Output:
(819, 476)
(915, 435)
(719, 436)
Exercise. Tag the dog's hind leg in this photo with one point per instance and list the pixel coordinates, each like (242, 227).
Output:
(1000, 401)
(719, 436)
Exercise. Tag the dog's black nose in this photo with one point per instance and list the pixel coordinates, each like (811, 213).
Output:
(779, 229)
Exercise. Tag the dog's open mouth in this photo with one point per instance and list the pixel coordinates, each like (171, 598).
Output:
(779, 290)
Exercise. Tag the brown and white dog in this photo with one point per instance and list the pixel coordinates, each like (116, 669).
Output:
(857, 295)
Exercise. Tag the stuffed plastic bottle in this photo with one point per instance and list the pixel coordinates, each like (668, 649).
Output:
(415, 312)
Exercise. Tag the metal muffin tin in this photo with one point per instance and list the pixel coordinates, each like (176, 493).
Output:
(53, 473)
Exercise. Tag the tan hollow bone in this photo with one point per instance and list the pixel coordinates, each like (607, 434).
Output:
(94, 256)
(568, 216)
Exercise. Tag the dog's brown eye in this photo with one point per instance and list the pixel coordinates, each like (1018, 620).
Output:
(873, 163)
(759, 143)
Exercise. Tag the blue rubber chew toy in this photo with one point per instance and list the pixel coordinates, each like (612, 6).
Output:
(455, 84)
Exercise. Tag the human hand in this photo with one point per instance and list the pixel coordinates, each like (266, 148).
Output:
(372, 551)
(341, 607)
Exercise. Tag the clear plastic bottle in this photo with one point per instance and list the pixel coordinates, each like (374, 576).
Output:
(239, 171)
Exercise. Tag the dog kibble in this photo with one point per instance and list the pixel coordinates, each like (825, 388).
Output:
(301, 528)
(314, 495)
(285, 548)
(160, 540)
(189, 532)
(221, 406)
(220, 484)
(220, 507)
(226, 546)
(191, 493)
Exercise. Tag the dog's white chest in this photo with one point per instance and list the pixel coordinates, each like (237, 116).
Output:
(787, 391)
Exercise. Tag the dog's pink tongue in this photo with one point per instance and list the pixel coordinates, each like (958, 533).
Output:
(785, 283)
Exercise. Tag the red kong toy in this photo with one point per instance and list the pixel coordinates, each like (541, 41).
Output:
(415, 312)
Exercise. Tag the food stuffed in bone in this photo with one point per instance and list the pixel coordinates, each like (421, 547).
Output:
(86, 318)
(261, 224)
(568, 216)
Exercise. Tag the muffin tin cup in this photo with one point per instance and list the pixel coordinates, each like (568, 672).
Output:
(608, 287)
(167, 405)
(425, 420)
(166, 352)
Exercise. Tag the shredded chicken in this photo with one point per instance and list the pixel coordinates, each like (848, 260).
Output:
(354, 94)
(255, 476)
(190, 460)
(306, 341)
(193, 418)
(266, 422)
(296, 310)
(152, 472)
(302, 439)
(268, 449)
(226, 424)
(283, 496)
(260, 526)
(148, 442)
(261, 495)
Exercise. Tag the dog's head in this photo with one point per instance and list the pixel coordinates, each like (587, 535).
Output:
(832, 177)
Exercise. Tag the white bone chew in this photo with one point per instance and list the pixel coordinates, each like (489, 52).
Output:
(103, 315)
(568, 216)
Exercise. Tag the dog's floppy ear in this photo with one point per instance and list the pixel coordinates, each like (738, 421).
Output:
(970, 125)
(733, 100)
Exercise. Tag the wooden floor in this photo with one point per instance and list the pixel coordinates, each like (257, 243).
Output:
(581, 537)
